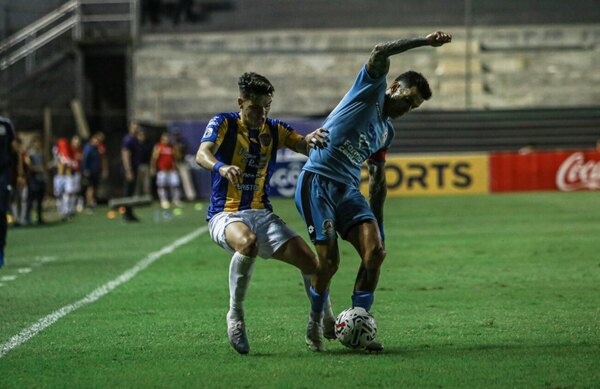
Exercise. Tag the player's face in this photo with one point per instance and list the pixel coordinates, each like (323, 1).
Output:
(402, 99)
(254, 110)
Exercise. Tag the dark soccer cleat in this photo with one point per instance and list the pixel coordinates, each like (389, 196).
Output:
(329, 328)
(373, 347)
(236, 332)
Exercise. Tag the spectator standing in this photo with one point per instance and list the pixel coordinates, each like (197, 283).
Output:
(64, 163)
(143, 186)
(74, 182)
(18, 182)
(7, 136)
(36, 182)
(163, 166)
(130, 156)
(92, 168)
(183, 168)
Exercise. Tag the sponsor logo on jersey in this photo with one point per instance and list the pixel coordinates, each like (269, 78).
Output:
(350, 151)
(328, 228)
(265, 139)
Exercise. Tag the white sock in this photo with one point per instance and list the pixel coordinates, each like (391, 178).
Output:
(240, 273)
(64, 205)
(71, 203)
(176, 194)
(328, 312)
(162, 194)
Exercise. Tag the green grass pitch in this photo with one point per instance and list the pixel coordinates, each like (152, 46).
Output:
(476, 292)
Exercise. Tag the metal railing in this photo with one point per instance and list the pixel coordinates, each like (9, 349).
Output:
(73, 16)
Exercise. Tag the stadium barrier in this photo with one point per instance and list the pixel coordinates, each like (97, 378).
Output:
(468, 173)
(435, 174)
(565, 170)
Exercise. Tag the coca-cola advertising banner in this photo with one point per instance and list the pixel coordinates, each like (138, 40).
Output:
(545, 170)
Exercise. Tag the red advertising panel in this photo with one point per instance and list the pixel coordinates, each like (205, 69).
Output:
(545, 170)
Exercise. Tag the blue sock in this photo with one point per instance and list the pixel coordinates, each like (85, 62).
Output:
(363, 299)
(318, 300)
(1, 257)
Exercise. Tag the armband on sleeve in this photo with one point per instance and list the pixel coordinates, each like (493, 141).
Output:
(378, 156)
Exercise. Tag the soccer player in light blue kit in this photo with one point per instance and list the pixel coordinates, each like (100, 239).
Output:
(328, 195)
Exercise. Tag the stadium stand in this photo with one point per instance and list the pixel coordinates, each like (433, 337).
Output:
(497, 130)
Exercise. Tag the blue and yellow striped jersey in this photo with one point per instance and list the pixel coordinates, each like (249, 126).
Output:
(254, 151)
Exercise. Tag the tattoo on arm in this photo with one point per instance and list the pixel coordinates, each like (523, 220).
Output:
(377, 188)
(379, 61)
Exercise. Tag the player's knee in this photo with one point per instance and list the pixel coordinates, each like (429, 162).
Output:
(330, 267)
(375, 257)
(248, 245)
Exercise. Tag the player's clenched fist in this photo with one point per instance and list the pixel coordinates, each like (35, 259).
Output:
(232, 173)
(318, 138)
(438, 38)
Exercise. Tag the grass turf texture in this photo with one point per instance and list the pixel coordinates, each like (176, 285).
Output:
(476, 291)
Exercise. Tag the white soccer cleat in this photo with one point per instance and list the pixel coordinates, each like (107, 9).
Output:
(236, 332)
(329, 327)
(314, 335)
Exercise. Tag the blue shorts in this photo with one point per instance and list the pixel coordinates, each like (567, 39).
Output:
(329, 207)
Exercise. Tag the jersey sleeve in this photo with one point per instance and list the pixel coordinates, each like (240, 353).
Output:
(288, 137)
(216, 129)
(366, 86)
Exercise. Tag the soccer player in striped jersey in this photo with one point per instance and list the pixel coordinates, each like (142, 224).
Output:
(240, 149)
(328, 195)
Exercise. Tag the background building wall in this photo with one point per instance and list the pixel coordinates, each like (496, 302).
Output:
(192, 76)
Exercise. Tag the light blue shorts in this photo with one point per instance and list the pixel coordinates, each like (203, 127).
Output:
(329, 207)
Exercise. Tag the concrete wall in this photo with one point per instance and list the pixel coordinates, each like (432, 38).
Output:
(179, 77)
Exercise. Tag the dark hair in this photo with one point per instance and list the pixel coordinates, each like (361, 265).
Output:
(254, 84)
(412, 78)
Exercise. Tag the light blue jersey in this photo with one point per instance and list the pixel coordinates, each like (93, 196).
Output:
(357, 129)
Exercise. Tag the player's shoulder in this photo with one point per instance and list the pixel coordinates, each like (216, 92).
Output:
(220, 118)
(276, 123)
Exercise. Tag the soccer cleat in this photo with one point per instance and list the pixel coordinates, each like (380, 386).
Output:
(236, 332)
(314, 335)
(165, 204)
(329, 327)
(374, 347)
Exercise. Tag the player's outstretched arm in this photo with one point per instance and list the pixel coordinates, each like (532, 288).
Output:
(379, 61)
(377, 190)
(316, 139)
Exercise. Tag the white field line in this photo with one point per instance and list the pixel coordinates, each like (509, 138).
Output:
(100, 292)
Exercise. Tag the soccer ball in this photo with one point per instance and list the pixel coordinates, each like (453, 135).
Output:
(355, 327)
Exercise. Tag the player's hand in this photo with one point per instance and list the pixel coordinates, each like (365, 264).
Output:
(129, 176)
(232, 173)
(438, 38)
(318, 138)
